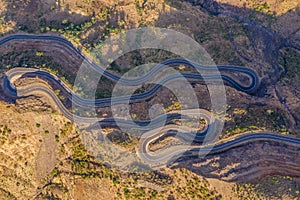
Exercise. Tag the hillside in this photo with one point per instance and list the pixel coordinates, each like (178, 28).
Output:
(42, 155)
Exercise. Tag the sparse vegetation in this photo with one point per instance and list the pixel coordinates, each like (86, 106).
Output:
(4, 133)
(87, 24)
(270, 187)
(291, 64)
(255, 120)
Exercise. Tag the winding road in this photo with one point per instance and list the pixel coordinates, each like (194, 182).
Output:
(153, 132)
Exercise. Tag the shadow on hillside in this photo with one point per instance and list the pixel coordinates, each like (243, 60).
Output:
(255, 163)
(231, 22)
(266, 40)
(242, 36)
(264, 43)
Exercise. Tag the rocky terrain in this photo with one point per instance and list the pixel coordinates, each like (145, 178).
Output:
(42, 155)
